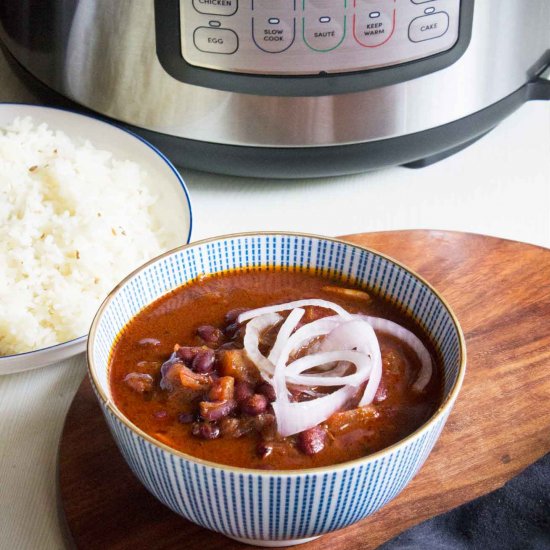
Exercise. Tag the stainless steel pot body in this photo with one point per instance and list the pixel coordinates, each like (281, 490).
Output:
(103, 55)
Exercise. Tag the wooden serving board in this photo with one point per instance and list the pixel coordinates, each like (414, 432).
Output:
(500, 291)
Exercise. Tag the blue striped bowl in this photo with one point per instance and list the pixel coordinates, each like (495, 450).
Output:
(275, 508)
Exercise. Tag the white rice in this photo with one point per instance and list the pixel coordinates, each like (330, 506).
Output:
(73, 222)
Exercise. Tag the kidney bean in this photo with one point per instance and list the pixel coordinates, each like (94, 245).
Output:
(205, 430)
(216, 410)
(239, 335)
(210, 334)
(268, 390)
(186, 418)
(203, 362)
(186, 353)
(243, 390)
(256, 404)
(312, 441)
(140, 383)
(235, 331)
(232, 330)
(232, 314)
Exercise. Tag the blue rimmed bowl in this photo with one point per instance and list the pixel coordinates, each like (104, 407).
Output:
(173, 205)
(275, 508)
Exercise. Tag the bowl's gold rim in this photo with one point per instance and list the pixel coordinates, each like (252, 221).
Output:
(441, 411)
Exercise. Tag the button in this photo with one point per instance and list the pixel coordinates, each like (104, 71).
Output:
(216, 40)
(273, 25)
(428, 27)
(274, 34)
(373, 23)
(324, 24)
(216, 7)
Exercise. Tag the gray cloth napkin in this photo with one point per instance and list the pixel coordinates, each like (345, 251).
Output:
(514, 517)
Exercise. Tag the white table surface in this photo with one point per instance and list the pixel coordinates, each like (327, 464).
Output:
(500, 186)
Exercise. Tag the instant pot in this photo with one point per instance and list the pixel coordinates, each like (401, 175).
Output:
(287, 88)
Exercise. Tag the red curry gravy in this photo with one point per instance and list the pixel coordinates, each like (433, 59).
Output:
(200, 317)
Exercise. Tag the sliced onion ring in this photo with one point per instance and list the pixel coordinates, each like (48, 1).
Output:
(358, 334)
(251, 342)
(306, 333)
(245, 316)
(349, 339)
(293, 418)
(284, 334)
(363, 365)
(401, 333)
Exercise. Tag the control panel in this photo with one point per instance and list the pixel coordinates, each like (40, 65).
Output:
(305, 37)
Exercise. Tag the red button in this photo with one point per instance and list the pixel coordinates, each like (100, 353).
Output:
(373, 22)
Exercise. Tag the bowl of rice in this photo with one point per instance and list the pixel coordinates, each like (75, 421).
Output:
(82, 204)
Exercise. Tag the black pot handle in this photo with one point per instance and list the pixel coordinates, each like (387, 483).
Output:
(540, 87)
